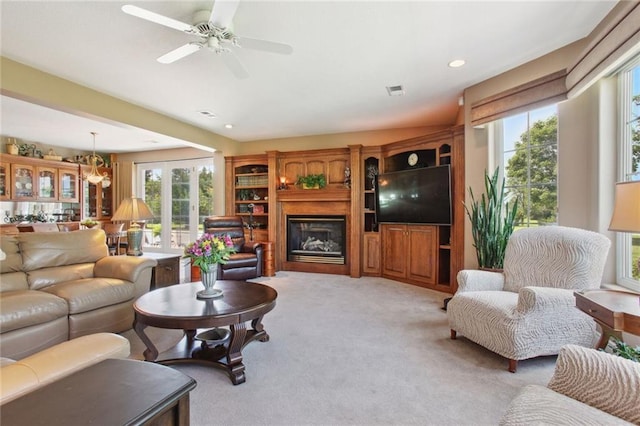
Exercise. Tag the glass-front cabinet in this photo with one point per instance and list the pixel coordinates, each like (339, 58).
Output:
(68, 185)
(47, 183)
(97, 200)
(4, 181)
(23, 178)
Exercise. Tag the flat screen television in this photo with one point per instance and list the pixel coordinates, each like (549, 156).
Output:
(414, 196)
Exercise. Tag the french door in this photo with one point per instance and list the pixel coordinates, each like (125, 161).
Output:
(180, 195)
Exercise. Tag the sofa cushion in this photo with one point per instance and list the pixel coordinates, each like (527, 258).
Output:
(12, 281)
(48, 249)
(537, 405)
(92, 293)
(598, 380)
(13, 260)
(41, 278)
(25, 308)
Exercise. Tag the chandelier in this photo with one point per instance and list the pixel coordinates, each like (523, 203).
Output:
(94, 176)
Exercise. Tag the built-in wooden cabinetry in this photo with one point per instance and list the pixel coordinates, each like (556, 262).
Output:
(425, 255)
(33, 179)
(97, 199)
(410, 253)
(249, 194)
(4, 181)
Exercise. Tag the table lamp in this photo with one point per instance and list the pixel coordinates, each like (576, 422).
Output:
(626, 211)
(133, 210)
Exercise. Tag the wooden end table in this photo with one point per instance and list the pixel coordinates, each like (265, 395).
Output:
(177, 307)
(614, 311)
(112, 392)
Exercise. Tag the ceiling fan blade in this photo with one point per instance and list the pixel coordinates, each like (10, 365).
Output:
(156, 18)
(265, 45)
(223, 12)
(233, 63)
(179, 53)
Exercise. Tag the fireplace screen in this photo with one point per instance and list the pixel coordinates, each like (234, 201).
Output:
(316, 239)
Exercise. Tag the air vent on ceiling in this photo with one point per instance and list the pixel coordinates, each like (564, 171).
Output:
(395, 90)
(207, 114)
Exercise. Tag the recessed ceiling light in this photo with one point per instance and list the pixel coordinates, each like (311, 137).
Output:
(229, 126)
(456, 63)
(207, 113)
(395, 90)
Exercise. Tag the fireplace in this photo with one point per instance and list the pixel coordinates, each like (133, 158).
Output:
(316, 239)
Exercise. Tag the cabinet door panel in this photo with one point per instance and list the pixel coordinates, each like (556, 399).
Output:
(422, 253)
(371, 255)
(395, 251)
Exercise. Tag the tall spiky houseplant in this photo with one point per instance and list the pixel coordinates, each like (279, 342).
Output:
(492, 222)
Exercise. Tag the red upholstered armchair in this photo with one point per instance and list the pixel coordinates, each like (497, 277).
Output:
(247, 261)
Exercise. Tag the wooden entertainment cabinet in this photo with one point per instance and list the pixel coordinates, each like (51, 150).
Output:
(425, 255)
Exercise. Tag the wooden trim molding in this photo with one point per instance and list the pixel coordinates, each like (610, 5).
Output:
(534, 94)
(612, 42)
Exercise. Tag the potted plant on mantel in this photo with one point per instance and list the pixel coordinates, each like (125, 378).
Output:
(312, 181)
(492, 222)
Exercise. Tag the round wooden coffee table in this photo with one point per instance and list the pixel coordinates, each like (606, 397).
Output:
(177, 307)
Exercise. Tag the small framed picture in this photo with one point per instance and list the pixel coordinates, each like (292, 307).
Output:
(258, 208)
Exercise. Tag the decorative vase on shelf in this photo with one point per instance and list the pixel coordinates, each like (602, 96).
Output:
(209, 280)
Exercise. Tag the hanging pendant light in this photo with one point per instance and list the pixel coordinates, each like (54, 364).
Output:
(94, 176)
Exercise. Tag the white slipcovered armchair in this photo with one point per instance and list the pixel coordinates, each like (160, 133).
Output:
(529, 309)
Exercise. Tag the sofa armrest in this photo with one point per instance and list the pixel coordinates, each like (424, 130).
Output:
(129, 268)
(545, 299)
(601, 380)
(477, 280)
(59, 361)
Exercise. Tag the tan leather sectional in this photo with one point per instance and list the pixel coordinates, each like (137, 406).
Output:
(56, 286)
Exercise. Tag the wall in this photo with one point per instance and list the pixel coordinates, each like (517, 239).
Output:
(337, 140)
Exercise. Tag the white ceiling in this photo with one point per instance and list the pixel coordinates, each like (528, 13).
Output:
(344, 55)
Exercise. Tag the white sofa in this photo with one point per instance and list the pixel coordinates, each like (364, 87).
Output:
(588, 387)
(529, 310)
(18, 378)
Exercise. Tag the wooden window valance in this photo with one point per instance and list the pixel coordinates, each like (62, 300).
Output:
(613, 41)
(535, 94)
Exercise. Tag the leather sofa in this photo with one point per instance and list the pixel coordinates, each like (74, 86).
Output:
(18, 378)
(246, 263)
(588, 387)
(56, 286)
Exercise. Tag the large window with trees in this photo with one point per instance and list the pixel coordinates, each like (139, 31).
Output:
(525, 148)
(628, 245)
(180, 195)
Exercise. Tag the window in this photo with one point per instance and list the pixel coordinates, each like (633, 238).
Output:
(525, 148)
(180, 195)
(628, 245)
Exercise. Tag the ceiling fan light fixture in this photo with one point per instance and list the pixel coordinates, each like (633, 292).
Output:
(179, 53)
(94, 176)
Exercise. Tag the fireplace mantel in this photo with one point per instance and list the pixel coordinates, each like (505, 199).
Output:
(325, 201)
(325, 194)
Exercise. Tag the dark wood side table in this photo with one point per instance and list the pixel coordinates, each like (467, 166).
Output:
(269, 263)
(167, 272)
(614, 311)
(112, 392)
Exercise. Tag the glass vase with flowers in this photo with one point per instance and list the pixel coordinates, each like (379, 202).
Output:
(206, 253)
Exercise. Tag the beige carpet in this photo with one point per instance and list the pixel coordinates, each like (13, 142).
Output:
(366, 351)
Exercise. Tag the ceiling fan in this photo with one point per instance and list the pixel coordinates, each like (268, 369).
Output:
(213, 28)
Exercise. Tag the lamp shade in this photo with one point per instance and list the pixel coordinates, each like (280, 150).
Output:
(132, 209)
(626, 212)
